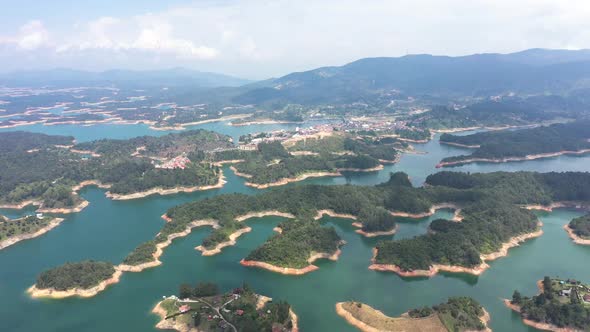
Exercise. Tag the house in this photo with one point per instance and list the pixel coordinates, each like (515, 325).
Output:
(587, 298)
(565, 292)
(184, 308)
(239, 312)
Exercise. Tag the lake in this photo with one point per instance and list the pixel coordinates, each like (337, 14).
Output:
(109, 230)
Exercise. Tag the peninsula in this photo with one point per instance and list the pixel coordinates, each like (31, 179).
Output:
(14, 231)
(488, 227)
(204, 308)
(579, 230)
(523, 144)
(48, 171)
(457, 314)
(84, 279)
(561, 306)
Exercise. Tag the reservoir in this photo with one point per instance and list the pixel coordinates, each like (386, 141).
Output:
(109, 230)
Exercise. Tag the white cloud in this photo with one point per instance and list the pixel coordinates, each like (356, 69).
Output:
(31, 36)
(261, 38)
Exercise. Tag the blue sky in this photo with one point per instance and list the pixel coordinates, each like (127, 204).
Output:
(262, 38)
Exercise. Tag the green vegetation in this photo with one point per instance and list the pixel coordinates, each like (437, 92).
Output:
(84, 275)
(562, 303)
(581, 226)
(414, 134)
(32, 167)
(272, 162)
(506, 112)
(457, 314)
(489, 202)
(520, 143)
(239, 307)
(26, 225)
(295, 244)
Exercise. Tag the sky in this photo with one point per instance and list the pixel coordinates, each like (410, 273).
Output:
(259, 39)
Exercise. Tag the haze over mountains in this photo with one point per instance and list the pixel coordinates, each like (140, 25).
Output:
(72, 77)
(534, 71)
(531, 71)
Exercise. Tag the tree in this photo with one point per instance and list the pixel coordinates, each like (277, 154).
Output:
(185, 291)
(196, 319)
(547, 287)
(516, 297)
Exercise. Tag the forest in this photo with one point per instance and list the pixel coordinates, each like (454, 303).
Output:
(272, 162)
(84, 275)
(524, 142)
(490, 205)
(457, 314)
(45, 168)
(295, 244)
(25, 225)
(581, 226)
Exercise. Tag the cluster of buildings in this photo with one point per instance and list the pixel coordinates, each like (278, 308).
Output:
(179, 162)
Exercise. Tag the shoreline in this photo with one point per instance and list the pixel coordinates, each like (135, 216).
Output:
(577, 239)
(285, 181)
(182, 126)
(557, 205)
(511, 159)
(21, 237)
(263, 122)
(429, 213)
(537, 325)
(293, 271)
(361, 325)
(161, 191)
(160, 246)
(466, 146)
(514, 241)
(376, 233)
(231, 242)
(52, 293)
(331, 213)
(261, 214)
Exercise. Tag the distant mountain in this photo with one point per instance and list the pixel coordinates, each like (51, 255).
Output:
(531, 71)
(166, 77)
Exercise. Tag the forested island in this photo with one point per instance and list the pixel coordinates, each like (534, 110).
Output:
(579, 229)
(457, 314)
(82, 279)
(495, 217)
(204, 308)
(562, 305)
(47, 170)
(272, 164)
(296, 247)
(13, 231)
(523, 144)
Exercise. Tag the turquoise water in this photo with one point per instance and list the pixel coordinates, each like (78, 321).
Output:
(109, 230)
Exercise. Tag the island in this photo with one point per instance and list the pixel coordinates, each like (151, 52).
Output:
(562, 305)
(204, 308)
(16, 230)
(494, 218)
(83, 279)
(269, 161)
(457, 314)
(579, 230)
(49, 170)
(524, 144)
(298, 244)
